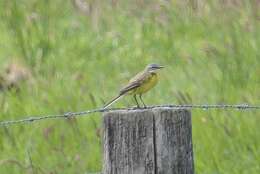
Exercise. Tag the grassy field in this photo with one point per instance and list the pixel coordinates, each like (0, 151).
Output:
(78, 55)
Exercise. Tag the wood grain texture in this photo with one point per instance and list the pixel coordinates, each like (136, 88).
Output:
(155, 141)
(173, 142)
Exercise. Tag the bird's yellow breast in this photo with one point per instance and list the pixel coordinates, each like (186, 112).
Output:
(148, 83)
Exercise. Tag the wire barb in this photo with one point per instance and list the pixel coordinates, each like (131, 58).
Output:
(67, 115)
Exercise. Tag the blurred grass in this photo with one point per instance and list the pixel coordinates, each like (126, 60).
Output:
(81, 54)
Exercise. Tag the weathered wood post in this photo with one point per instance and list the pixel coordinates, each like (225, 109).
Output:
(148, 141)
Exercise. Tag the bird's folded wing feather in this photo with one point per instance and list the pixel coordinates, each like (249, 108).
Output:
(129, 87)
(135, 82)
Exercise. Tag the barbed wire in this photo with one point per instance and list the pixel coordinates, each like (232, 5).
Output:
(30, 119)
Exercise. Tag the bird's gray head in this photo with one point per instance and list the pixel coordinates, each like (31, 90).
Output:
(153, 67)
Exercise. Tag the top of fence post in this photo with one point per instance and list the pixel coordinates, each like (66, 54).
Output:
(152, 141)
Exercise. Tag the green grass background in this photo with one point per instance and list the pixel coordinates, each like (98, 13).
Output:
(80, 59)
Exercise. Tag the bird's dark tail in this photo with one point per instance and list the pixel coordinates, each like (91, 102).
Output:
(112, 101)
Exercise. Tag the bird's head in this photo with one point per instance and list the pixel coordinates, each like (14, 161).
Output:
(153, 67)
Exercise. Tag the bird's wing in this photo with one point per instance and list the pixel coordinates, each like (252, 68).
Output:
(135, 82)
(129, 87)
(138, 77)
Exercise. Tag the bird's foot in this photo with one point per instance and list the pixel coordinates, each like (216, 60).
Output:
(137, 107)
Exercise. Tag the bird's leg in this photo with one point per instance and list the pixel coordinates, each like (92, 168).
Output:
(136, 101)
(140, 96)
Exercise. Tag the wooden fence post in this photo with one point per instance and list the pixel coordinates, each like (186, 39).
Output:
(148, 141)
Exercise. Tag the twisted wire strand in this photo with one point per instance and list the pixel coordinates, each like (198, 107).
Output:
(30, 119)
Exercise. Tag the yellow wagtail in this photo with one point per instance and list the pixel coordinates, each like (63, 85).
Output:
(139, 84)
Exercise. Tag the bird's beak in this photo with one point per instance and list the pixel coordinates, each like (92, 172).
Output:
(160, 67)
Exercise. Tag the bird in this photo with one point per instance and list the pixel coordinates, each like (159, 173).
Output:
(139, 84)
